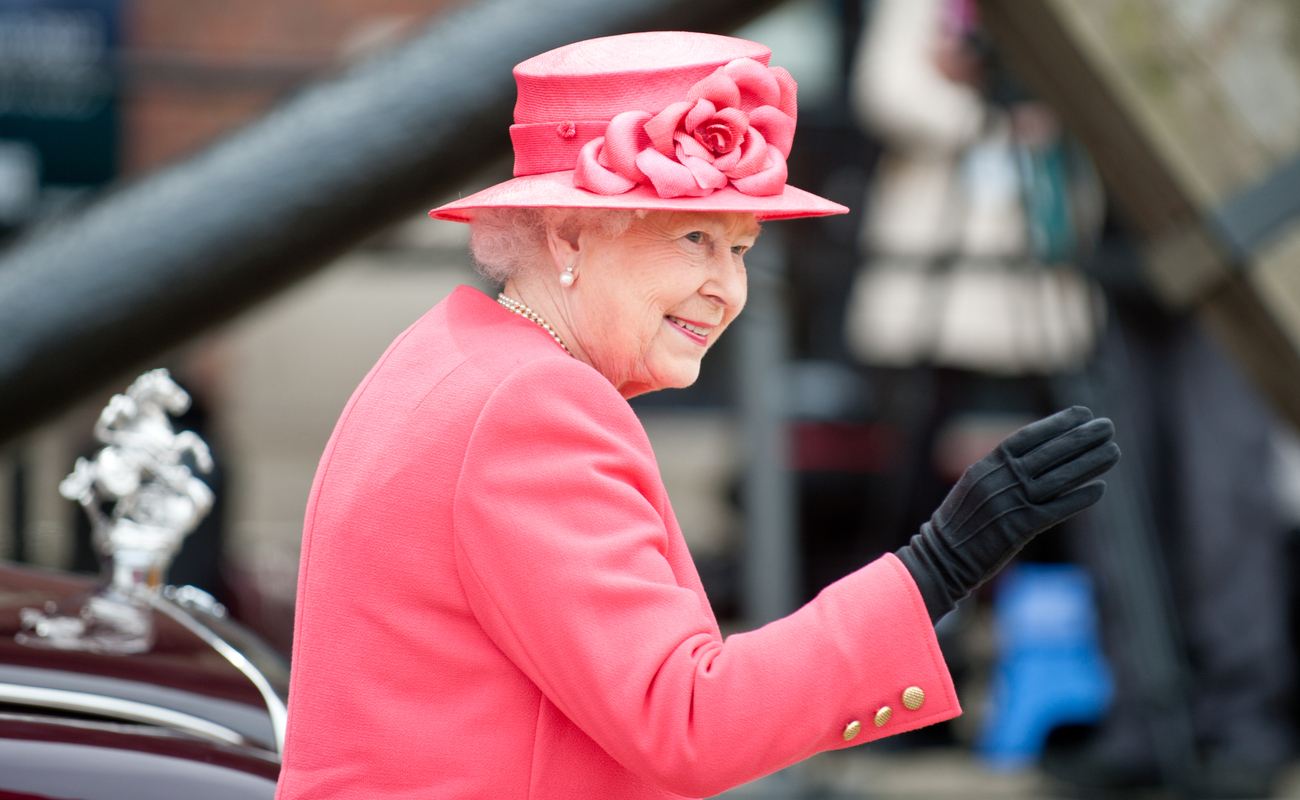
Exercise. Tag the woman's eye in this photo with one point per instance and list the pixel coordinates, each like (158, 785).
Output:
(740, 249)
(695, 237)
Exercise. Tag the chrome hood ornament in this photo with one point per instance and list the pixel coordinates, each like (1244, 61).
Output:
(142, 499)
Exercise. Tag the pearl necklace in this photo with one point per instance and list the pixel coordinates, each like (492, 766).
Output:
(532, 316)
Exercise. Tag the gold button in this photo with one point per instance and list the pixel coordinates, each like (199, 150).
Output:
(883, 715)
(852, 730)
(913, 698)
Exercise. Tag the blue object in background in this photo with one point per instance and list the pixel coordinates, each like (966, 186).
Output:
(1050, 670)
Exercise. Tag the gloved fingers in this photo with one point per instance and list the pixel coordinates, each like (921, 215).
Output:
(1072, 502)
(1035, 433)
(1066, 446)
(1073, 472)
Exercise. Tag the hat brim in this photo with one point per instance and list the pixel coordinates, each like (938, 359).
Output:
(556, 190)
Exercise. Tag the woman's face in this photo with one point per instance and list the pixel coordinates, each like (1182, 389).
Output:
(647, 305)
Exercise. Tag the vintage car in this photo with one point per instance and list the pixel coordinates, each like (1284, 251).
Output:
(198, 716)
(123, 686)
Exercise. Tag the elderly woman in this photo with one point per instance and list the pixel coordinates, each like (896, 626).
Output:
(495, 598)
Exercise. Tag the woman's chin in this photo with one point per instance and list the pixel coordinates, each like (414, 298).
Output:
(684, 372)
(680, 377)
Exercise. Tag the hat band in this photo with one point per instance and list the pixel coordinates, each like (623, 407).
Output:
(734, 128)
(552, 146)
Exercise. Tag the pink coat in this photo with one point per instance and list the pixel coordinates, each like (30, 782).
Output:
(495, 601)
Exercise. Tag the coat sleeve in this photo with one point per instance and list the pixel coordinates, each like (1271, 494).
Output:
(560, 544)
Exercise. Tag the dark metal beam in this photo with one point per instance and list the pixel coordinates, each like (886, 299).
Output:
(97, 293)
(1201, 254)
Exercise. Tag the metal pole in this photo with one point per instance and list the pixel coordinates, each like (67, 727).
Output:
(770, 561)
(769, 553)
(20, 462)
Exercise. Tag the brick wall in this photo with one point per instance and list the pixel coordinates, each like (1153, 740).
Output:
(196, 69)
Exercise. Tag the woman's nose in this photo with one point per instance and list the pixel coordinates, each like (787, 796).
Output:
(728, 285)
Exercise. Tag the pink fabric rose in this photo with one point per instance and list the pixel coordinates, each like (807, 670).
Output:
(734, 127)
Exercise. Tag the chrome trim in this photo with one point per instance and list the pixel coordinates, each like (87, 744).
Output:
(114, 708)
(274, 705)
(190, 596)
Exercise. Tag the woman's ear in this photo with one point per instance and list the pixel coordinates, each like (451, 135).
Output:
(564, 246)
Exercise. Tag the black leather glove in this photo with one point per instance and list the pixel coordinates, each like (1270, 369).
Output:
(1039, 476)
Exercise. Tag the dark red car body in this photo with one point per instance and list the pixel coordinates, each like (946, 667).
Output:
(193, 718)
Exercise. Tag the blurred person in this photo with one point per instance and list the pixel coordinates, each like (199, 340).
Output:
(964, 302)
(1205, 444)
(951, 276)
(495, 599)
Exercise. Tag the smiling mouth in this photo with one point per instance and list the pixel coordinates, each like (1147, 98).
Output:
(689, 327)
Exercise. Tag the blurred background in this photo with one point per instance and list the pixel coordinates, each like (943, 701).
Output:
(1054, 202)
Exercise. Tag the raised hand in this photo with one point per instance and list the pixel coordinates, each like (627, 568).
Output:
(1038, 476)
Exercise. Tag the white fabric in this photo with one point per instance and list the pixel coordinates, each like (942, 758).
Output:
(948, 184)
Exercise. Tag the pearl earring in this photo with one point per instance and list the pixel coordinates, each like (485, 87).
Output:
(567, 277)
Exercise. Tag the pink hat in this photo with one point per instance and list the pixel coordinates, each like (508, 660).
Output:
(659, 120)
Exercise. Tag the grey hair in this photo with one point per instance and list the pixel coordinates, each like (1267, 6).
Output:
(507, 241)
